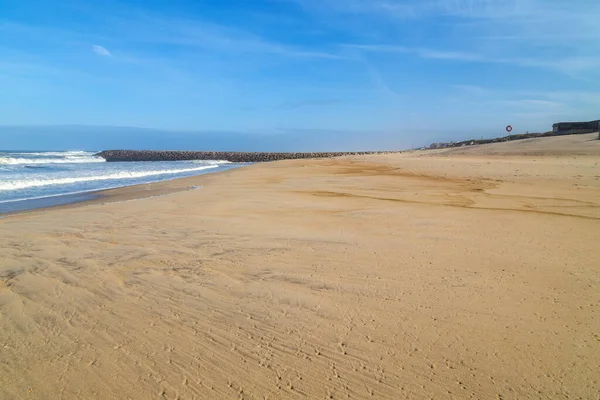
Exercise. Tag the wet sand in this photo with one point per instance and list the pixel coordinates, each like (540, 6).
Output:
(463, 273)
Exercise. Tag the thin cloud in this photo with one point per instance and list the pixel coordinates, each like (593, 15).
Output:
(568, 65)
(383, 48)
(591, 98)
(101, 51)
(202, 34)
(380, 82)
(520, 33)
(307, 103)
(471, 89)
(406, 9)
(532, 103)
(423, 53)
(449, 55)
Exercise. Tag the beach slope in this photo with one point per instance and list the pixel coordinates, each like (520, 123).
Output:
(463, 273)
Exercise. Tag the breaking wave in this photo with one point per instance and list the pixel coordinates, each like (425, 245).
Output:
(31, 183)
(66, 157)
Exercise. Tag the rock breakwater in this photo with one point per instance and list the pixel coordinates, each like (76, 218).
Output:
(232, 156)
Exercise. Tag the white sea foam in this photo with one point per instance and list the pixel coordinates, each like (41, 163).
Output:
(210, 162)
(31, 183)
(54, 153)
(70, 159)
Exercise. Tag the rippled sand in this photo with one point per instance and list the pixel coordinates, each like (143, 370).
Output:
(473, 272)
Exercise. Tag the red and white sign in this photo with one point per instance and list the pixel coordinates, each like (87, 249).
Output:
(509, 129)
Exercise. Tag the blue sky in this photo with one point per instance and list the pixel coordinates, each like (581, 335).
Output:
(414, 70)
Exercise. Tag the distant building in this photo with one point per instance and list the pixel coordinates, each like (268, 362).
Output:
(569, 128)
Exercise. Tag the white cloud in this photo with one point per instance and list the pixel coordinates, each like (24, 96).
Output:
(101, 51)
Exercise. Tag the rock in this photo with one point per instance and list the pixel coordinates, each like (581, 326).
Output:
(232, 156)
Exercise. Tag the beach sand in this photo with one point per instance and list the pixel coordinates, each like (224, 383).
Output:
(462, 273)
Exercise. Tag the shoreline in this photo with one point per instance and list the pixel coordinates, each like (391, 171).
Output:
(119, 193)
(492, 151)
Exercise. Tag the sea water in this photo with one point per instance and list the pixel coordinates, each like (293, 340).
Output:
(30, 179)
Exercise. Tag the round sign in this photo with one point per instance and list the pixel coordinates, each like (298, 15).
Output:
(509, 129)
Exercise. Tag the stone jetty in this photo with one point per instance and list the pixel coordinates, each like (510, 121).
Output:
(232, 156)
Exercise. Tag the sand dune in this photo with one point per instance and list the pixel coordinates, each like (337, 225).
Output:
(468, 273)
(573, 145)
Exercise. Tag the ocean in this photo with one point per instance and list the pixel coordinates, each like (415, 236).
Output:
(33, 179)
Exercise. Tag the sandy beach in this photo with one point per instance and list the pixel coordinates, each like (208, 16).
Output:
(462, 273)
